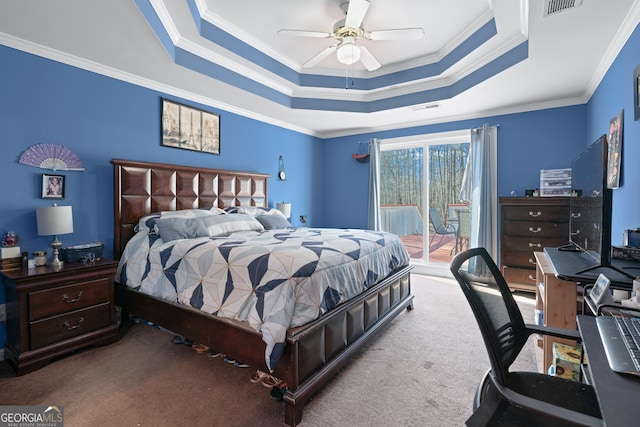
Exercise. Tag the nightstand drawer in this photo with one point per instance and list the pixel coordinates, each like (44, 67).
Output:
(68, 325)
(65, 298)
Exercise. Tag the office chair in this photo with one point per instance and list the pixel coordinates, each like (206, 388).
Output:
(516, 398)
(440, 228)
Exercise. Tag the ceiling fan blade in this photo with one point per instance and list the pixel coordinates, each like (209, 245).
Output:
(319, 57)
(355, 13)
(368, 60)
(396, 34)
(303, 33)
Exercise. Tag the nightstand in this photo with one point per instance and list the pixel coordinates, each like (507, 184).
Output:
(51, 312)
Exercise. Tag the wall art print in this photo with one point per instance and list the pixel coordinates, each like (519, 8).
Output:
(636, 93)
(190, 128)
(614, 150)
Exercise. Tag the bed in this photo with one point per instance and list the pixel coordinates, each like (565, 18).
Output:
(312, 352)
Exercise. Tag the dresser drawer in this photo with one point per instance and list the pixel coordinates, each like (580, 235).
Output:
(519, 275)
(519, 259)
(535, 229)
(535, 213)
(65, 298)
(533, 243)
(68, 325)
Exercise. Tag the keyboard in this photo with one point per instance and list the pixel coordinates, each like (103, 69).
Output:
(621, 340)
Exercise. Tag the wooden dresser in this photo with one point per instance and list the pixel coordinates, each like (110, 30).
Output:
(53, 311)
(527, 225)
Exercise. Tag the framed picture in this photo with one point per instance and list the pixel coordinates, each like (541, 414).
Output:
(636, 93)
(52, 186)
(614, 150)
(600, 292)
(190, 128)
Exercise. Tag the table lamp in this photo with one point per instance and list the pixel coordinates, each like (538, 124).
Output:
(285, 208)
(53, 221)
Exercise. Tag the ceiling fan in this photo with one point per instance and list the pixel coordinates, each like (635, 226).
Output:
(348, 31)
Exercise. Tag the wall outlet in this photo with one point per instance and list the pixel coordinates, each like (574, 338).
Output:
(3, 312)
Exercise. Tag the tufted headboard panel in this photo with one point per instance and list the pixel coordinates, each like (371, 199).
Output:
(142, 188)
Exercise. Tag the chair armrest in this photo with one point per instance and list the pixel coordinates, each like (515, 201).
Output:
(556, 332)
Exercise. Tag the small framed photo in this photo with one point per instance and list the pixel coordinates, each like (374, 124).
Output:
(600, 292)
(52, 186)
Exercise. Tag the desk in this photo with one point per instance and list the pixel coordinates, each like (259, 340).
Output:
(617, 394)
(570, 266)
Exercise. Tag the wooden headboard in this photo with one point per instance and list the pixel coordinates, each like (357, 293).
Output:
(142, 188)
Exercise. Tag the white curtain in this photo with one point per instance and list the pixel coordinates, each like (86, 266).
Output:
(374, 185)
(482, 200)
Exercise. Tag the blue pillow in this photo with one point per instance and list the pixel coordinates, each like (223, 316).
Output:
(270, 222)
(180, 228)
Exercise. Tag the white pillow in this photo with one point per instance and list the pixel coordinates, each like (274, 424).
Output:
(220, 225)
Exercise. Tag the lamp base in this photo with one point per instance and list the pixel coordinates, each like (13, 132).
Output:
(55, 263)
(55, 260)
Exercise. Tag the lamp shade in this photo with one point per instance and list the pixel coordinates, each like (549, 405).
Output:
(348, 53)
(54, 220)
(285, 208)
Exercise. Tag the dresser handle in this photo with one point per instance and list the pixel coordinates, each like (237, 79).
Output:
(66, 299)
(537, 230)
(532, 278)
(576, 215)
(68, 327)
(532, 261)
(535, 245)
(537, 214)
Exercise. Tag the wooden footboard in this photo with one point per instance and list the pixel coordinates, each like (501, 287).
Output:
(313, 352)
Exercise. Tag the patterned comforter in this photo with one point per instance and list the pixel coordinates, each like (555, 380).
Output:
(272, 279)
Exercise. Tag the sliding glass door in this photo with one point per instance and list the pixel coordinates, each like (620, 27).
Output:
(421, 183)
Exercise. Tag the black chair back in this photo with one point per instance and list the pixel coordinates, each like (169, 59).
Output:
(493, 306)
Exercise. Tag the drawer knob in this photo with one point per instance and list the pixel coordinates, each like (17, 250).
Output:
(68, 300)
(535, 245)
(68, 327)
(535, 214)
(536, 230)
(532, 278)
(532, 261)
(576, 215)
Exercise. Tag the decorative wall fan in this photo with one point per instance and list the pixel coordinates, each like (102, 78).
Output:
(348, 31)
(51, 156)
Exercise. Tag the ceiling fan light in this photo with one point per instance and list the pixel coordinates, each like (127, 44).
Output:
(348, 54)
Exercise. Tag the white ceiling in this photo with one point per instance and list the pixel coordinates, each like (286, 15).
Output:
(568, 53)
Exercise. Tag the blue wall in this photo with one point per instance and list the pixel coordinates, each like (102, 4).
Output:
(527, 143)
(100, 118)
(614, 94)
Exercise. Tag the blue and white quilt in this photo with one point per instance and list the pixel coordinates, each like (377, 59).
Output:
(273, 279)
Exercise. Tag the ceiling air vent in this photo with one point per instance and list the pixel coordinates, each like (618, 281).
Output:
(551, 7)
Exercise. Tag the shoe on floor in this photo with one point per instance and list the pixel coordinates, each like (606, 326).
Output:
(278, 391)
(258, 376)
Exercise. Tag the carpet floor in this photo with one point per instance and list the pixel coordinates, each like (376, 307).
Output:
(421, 370)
